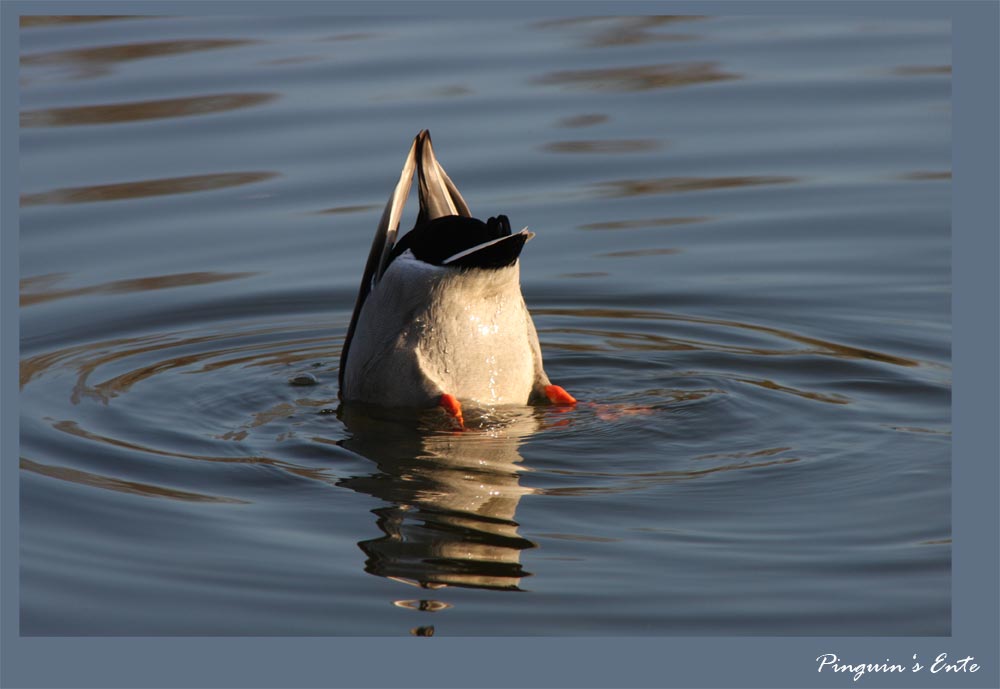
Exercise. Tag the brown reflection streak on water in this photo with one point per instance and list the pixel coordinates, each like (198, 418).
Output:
(323, 349)
(41, 282)
(97, 61)
(142, 110)
(298, 60)
(921, 70)
(633, 342)
(817, 346)
(578, 537)
(636, 30)
(120, 384)
(356, 36)
(682, 396)
(771, 385)
(569, 22)
(618, 31)
(767, 452)
(425, 93)
(643, 223)
(673, 185)
(34, 20)
(35, 366)
(649, 342)
(338, 210)
(451, 91)
(74, 429)
(278, 411)
(578, 121)
(301, 349)
(926, 175)
(145, 188)
(917, 429)
(642, 481)
(604, 146)
(595, 274)
(30, 296)
(87, 478)
(640, 78)
(635, 253)
(88, 357)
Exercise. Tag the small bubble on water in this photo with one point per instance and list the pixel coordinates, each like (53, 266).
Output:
(303, 379)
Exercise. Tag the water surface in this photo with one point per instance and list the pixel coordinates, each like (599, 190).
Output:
(741, 269)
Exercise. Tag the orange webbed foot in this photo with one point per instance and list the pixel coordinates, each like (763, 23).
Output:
(559, 396)
(454, 408)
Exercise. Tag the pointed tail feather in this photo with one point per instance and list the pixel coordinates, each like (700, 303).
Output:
(388, 226)
(438, 195)
(382, 243)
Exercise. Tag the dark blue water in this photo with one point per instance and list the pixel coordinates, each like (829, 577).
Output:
(741, 269)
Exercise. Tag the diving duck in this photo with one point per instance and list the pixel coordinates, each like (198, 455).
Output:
(439, 319)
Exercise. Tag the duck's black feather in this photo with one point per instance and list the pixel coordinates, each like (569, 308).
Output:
(438, 240)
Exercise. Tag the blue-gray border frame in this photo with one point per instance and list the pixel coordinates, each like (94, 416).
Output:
(587, 662)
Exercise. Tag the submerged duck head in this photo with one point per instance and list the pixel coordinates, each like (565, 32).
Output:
(439, 319)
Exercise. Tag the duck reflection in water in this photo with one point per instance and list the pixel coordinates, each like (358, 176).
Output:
(453, 497)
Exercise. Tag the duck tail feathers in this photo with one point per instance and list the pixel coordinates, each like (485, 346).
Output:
(382, 243)
(437, 193)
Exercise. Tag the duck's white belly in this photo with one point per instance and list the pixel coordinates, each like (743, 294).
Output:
(426, 330)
